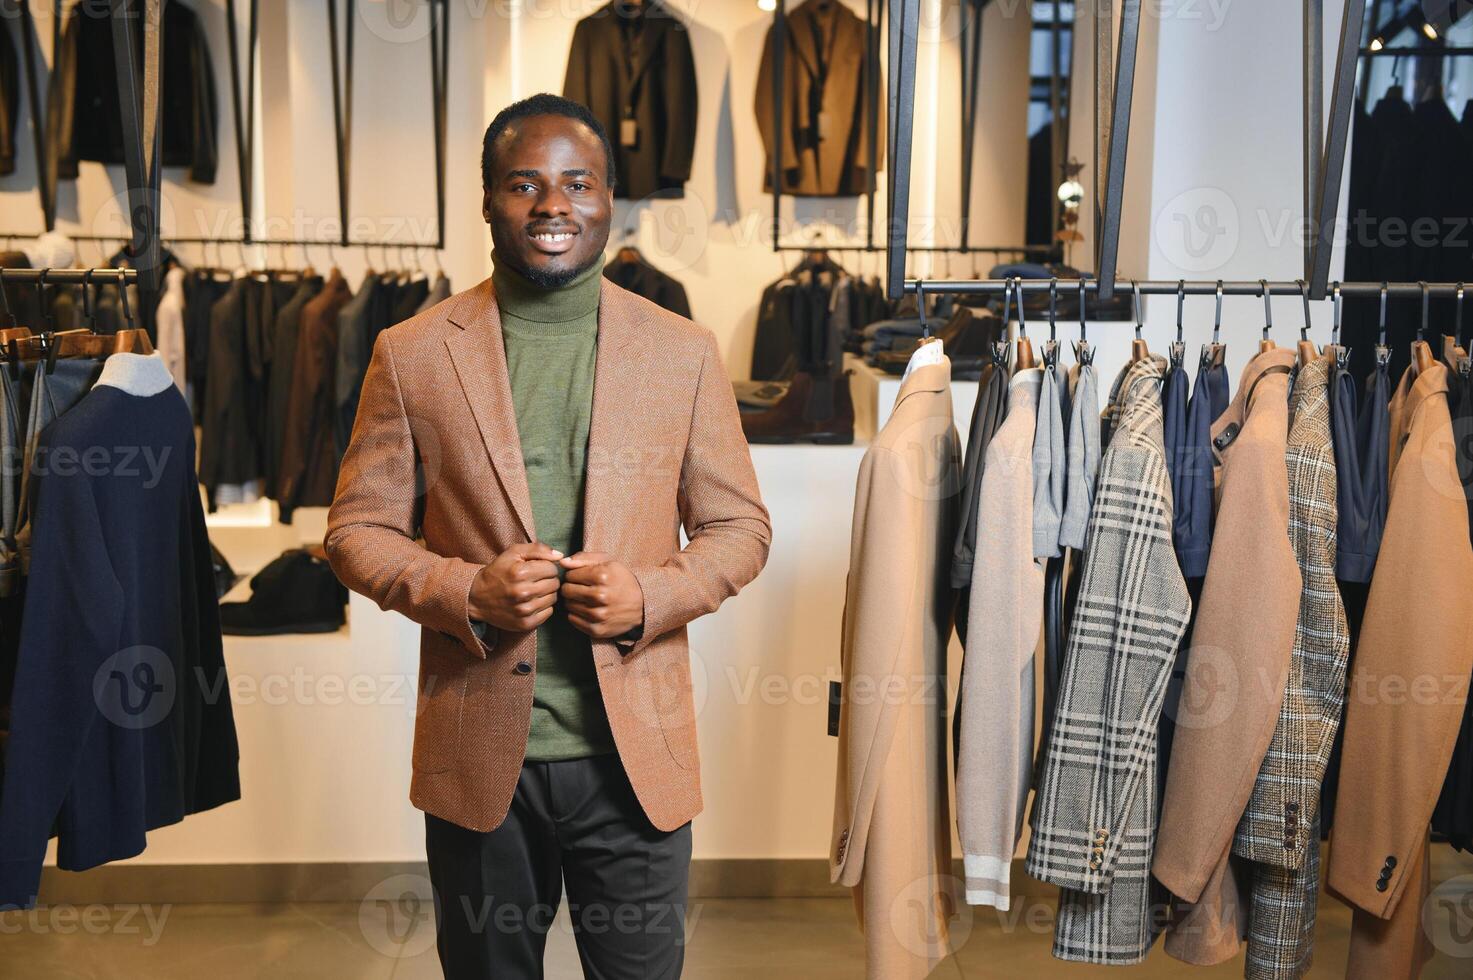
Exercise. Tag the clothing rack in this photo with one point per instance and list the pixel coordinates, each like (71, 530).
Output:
(874, 26)
(1188, 287)
(1324, 161)
(69, 277)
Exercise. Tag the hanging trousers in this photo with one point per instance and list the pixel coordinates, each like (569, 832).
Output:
(576, 822)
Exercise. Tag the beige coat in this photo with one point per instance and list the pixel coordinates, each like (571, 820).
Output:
(1408, 685)
(892, 820)
(432, 488)
(1238, 658)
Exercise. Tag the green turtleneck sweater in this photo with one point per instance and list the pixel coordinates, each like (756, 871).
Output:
(551, 338)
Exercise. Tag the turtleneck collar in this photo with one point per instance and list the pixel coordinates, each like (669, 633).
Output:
(519, 297)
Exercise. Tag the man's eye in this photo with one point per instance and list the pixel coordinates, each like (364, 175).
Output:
(524, 186)
(578, 185)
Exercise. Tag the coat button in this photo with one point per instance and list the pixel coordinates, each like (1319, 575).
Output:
(1381, 885)
(523, 667)
(1391, 861)
(1292, 807)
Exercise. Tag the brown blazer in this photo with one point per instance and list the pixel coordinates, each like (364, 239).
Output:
(435, 454)
(892, 818)
(309, 465)
(1238, 660)
(839, 163)
(1409, 680)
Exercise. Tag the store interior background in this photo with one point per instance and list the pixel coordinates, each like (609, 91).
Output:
(325, 722)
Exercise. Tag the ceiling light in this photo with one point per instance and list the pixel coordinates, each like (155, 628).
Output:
(1429, 30)
(767, 5)
(1377, 44)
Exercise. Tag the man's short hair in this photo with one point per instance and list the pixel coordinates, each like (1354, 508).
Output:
(543, 104)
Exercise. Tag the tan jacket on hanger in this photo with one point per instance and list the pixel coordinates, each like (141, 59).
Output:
(892, 818)
(825, 136)
(433, 487)
(1237, 660)
(1408, 686)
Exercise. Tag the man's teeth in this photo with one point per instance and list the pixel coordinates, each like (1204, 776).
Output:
(561, 236)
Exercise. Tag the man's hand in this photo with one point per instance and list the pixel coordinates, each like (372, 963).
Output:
(603, 597)
(517, 591)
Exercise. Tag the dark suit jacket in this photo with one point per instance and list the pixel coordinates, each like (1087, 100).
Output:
(639, 64)
(309, 461)
(644, 279)
(825, 128)
(82, 121)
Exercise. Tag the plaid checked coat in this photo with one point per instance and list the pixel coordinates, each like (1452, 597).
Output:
(1094, 826)
(1280, 829)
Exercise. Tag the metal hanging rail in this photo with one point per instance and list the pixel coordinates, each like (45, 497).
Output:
(342, 103)
(1188, 287)
(68, 277)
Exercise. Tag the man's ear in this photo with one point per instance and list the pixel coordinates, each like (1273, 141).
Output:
(486, 206)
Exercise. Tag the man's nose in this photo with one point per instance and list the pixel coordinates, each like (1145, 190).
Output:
(552, 201)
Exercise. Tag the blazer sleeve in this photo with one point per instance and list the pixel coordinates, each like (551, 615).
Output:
(54, 710)
(720, 508)
(374, 519)
(681, 102)
(995, 744)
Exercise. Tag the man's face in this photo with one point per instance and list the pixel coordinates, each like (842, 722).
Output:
(548, 203)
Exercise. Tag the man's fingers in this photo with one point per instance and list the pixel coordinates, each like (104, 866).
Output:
(583, 595)
(535, 620)
(534, 589)
(588, 575)
(534, 570)
(582, 559)
(533, 551)
(536, 604)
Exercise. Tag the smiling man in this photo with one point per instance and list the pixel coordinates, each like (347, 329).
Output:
(524, 457)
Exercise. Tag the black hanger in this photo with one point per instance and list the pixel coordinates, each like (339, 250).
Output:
(1051, 346)
(1178, 348)
(921, 308)
(1083, 353)
(1342, 353)
(1383, 353)
(1000, 347)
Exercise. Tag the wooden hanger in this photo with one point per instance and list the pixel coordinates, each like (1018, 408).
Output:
(1139, 349)
(132, 341)
(1266, 344)
(1307, 353)
(1422, 358)
(1025, 358)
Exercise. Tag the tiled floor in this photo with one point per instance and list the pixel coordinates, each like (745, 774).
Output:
(770, 939)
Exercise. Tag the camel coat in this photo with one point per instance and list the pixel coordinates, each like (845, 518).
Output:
(1408, 686)
(892, 818)
(1235, 676)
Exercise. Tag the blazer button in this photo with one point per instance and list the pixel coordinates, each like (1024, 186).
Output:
(523, 667)
(1381, 885)
(1391, 861)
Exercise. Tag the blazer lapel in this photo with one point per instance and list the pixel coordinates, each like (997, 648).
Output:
(479, 356)
(619, 377)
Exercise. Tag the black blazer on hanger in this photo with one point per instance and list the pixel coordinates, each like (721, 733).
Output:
(635, 63)
(9, 99)
(82, 121)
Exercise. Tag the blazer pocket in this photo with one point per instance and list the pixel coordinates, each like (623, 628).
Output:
(438, 711)
(670, 684)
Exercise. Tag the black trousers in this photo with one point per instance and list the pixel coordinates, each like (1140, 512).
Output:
(576, 822)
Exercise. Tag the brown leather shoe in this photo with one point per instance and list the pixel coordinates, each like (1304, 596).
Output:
(794, 417)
